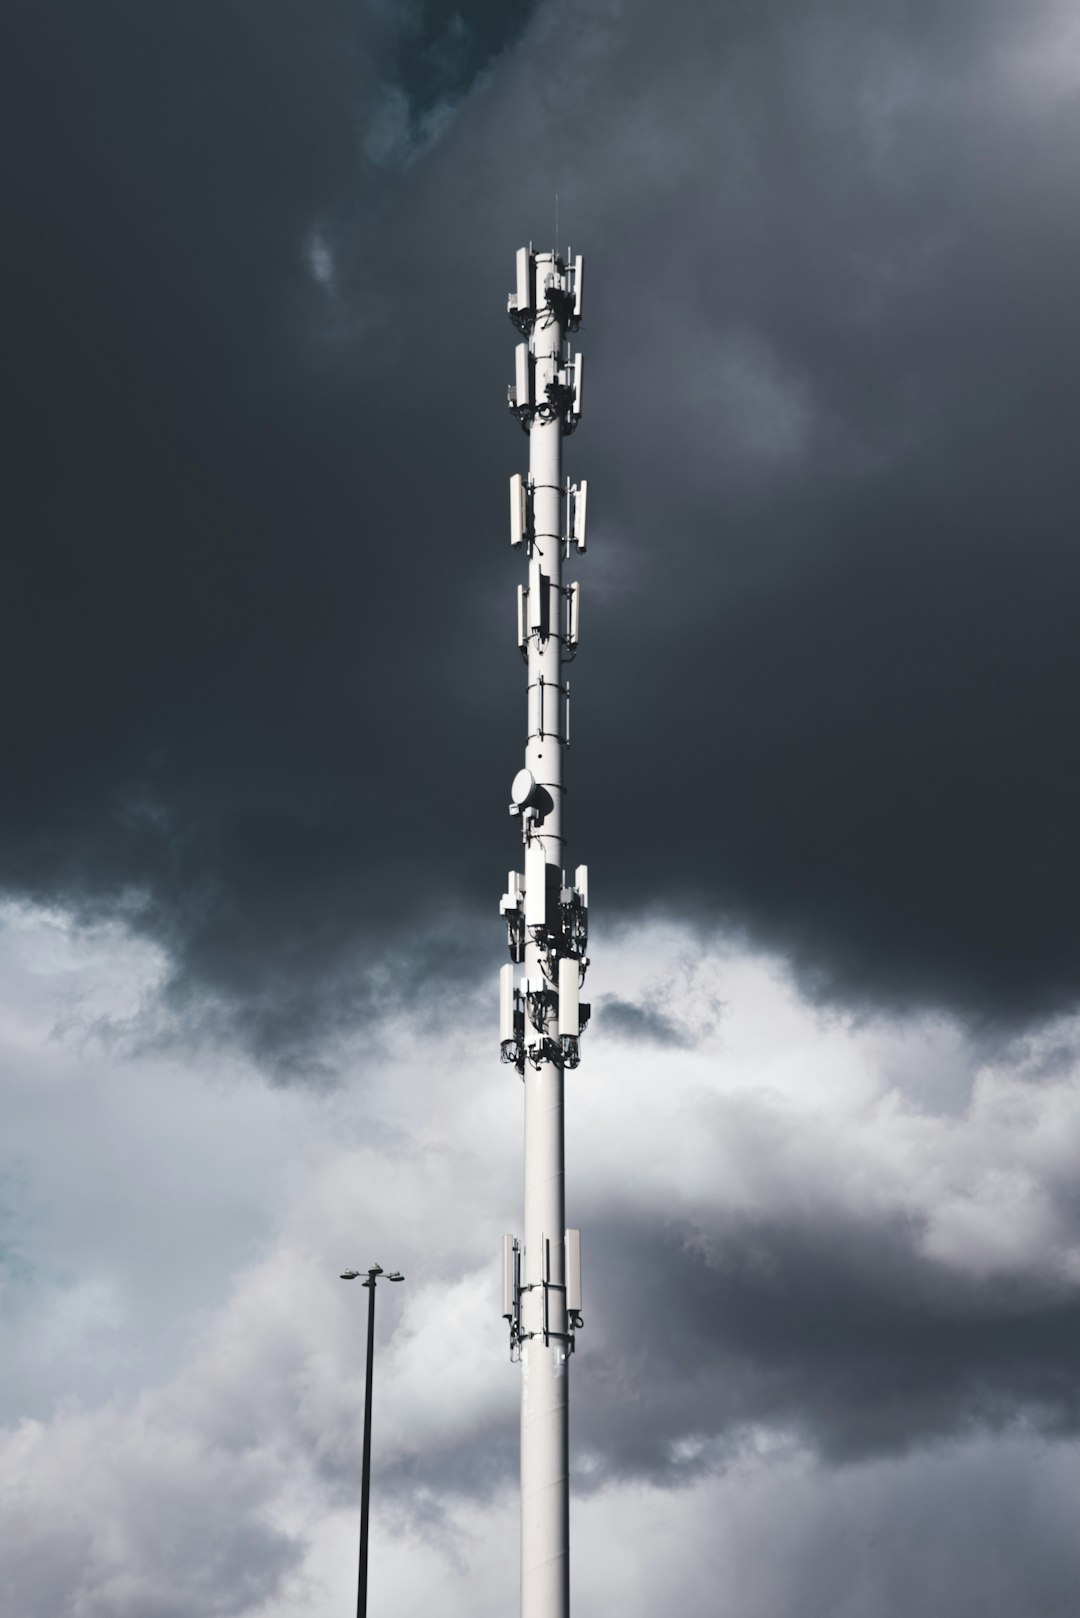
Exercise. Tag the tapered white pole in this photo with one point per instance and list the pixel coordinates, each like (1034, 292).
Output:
(547, 928)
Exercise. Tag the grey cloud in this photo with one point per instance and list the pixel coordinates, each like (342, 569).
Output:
(979, 1527)
(187, 1525)
(642, 1022)
(846, 1338)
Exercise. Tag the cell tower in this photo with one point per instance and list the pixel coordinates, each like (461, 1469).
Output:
(541, 1013)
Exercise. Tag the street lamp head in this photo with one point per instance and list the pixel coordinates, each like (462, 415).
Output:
(375, 1270)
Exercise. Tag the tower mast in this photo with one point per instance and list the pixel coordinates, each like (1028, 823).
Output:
(541, 1014)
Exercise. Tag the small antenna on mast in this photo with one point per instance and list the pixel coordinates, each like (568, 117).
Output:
(556, 224)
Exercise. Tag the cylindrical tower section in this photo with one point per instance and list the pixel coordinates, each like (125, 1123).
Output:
(541, 1017)
(545, 1501)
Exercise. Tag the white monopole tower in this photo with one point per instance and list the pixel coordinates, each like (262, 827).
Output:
(541, 1012)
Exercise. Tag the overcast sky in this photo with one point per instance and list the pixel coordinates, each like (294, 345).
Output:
(263, 705)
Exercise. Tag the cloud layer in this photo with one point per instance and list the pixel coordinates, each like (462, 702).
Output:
(824, 1305)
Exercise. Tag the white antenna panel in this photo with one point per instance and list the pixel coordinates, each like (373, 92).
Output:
(581, 883)
(573, 614)
(524, 278)
(579, 274)
(506, 1002)
(581, 492)
(535, 885)
(536, 598)
(573, 1272)
(522, 376)
(577, 385)
(569, 985)
(517, 509)
(522, 631)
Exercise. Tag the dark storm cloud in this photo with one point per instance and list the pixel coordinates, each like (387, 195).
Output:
(850, 1339)
(223, 723)
(439, 52)
(264, 696)
(851, 646)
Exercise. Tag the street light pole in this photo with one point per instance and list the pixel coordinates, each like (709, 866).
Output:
(365, 1477)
